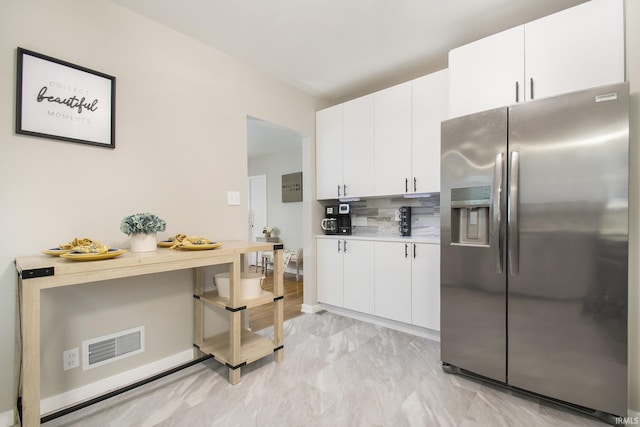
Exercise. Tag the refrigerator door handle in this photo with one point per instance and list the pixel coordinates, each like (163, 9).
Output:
(496, 223)
(512, 217)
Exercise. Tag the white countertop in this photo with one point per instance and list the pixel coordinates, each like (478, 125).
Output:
(380, 238)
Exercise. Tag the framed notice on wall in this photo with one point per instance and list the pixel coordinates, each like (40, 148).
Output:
(59, 100)
(292, 187)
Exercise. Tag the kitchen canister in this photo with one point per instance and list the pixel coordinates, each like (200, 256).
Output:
(250, 285)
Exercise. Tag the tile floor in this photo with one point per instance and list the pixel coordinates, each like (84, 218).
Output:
(336, 372)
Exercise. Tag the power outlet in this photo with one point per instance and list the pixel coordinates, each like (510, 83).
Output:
(71, 359)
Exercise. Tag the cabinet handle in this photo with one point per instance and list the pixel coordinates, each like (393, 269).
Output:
(414, 250)
(344, 190)
(338, 190)
(338, 245)
(415, 184)
(517, 91)
(345, 246)
(406, 185)
(406, 251)
(531, 87)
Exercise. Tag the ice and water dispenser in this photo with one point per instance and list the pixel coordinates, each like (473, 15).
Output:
(470, 215)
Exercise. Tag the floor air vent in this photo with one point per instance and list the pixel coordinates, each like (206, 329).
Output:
(109, 348)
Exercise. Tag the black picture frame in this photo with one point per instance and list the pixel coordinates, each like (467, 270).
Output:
(59, 100)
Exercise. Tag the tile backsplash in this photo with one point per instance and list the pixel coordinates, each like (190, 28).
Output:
(377, 217)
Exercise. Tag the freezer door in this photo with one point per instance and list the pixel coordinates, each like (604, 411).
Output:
(473, 286)
(567, 282)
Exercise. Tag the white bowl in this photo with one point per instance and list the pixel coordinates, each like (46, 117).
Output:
(250, 285)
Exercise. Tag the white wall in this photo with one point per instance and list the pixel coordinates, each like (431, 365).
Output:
(180, 146)
(285, 217)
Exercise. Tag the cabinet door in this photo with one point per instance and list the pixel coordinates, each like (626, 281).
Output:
(393, 281)
(330, 271)
(425, 286)
(357, 146)
(393, 140)
(430, 106)
(358, 276)
(575, 49)
(328, 152)
(487, 73)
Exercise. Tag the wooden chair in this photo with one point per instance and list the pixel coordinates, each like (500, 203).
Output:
(266, 257)
(297, 258)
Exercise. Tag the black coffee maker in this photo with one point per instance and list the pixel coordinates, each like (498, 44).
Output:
(337, 219)
(344, 219)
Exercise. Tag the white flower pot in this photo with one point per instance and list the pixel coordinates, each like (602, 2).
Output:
(143, 242)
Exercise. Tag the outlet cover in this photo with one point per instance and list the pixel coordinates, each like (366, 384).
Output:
(71, 359)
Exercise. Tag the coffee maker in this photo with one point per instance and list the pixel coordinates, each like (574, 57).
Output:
(329, 223)
(337, 219)
(344, 219)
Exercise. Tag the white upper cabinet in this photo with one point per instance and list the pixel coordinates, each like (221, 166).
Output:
(357, 147)
(407, 135)
(329, 179)
(393, 139)
(429, 107)
(574, 49)
(344, 149)
(487, 73)
(383, 144)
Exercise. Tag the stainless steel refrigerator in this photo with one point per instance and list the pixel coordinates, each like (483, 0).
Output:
(534, 247)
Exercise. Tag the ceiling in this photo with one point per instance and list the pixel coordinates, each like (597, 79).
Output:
(338, 49)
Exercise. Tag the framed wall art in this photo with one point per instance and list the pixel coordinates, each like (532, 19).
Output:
(292, 187)
(59, 100)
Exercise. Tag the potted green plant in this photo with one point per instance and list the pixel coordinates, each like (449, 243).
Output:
(142, 229)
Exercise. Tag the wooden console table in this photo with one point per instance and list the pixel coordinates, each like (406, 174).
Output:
(235, 348)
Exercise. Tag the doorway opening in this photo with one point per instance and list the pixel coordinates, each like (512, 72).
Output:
(274, 151)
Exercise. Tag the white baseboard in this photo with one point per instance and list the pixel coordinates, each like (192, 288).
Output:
(391, 324)
(311, 309)
(6, 418)
(80, 394)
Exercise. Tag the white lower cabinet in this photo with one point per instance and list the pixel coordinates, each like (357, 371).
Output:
(345, 273)
(330, 271)
(425, 286)
(393, 281)
(358, 275)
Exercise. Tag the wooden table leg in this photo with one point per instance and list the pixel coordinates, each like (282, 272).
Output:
(30, 312)
(235, 321)
(198, 310)
(278, 315)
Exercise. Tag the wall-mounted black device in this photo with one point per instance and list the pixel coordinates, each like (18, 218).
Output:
(405, 220)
